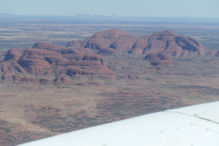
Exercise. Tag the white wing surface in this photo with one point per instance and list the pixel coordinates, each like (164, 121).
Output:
(189, 126)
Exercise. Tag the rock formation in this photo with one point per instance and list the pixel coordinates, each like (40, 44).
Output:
(168, 42)
(110, 41)
(79, 58)
(118, 41)
(115, 41)
(47, 59)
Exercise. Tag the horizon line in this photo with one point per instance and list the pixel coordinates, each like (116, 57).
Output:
(107, 16)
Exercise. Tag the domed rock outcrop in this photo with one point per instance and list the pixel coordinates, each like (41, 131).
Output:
(79, 57)
(47, 59)
(167, 41)
(116, 41)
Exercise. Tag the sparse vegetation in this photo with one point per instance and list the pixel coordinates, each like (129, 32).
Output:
(29, 111)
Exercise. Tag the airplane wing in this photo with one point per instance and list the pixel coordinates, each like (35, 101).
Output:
(189, 126)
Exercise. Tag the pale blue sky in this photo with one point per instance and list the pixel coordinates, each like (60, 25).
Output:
(146, 8)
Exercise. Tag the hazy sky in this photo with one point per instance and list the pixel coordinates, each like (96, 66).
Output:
(148, 8)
